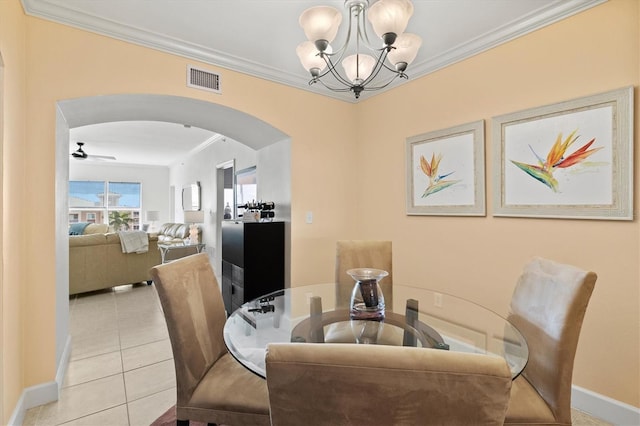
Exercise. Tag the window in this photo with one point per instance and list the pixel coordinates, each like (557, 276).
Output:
(115, 203)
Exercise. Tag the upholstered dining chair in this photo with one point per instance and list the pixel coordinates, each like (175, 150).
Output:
(352, 254)
(211, 386)
(548, 305)
(349, 384)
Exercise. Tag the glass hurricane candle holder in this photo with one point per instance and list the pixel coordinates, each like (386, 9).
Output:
(367, 300)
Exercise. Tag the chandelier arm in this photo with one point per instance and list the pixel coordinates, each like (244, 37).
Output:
(334, 89)
(368, 89)
(331, 68)
(339, 77)
(400, 73)
(327, 60)
(376, 70)
(317, 79)
(362, 32)
(341, 51)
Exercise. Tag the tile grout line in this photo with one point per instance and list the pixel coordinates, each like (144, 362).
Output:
(124, 379)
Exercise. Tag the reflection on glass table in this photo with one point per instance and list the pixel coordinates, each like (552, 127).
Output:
(419, 317)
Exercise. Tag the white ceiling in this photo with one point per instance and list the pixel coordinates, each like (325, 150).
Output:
(259, 38)
(153, 143)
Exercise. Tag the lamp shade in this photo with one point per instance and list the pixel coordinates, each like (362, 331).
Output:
(406, 49)
(390, 16)
(358, 67)
(194, 216)
(152, 215)
(320, 23)
(309, 57)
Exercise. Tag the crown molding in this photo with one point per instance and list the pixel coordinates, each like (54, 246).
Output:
(66, 15)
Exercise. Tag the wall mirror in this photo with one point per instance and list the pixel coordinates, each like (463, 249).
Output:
(191, 197)
(246, 186)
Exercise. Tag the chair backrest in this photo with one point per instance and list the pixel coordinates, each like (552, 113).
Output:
(547, 307)
(195, 316)
(349, 384)
(362, 254)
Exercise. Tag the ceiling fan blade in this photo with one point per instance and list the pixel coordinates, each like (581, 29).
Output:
(80, 154)
(102, 157)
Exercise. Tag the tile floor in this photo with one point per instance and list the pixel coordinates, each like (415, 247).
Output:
(121, 368)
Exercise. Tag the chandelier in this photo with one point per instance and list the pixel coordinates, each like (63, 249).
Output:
(389, 19)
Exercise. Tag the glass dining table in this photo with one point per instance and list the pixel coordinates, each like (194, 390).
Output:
(416, 317)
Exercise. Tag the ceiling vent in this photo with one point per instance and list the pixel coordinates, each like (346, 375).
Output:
(203, 79)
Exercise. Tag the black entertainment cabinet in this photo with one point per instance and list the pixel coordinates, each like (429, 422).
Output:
(252, 261)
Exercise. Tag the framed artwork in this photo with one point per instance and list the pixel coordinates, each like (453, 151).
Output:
(569, 160)
(445, 172)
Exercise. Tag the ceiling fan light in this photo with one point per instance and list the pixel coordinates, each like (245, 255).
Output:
(390, 16)
(358, 67)
(406, 49)
(309, 56)
(320, 23)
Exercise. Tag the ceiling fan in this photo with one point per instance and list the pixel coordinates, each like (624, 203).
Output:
(80, 154)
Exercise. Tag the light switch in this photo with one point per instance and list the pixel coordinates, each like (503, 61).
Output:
(309, 217)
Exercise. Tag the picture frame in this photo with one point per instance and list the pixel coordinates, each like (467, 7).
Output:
(570, 160)
(445, 173)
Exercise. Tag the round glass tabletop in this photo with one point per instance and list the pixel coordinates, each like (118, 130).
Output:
(416, 317)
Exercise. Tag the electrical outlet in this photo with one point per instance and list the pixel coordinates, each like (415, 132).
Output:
(309, 218)
(308, 296)
(437, 300)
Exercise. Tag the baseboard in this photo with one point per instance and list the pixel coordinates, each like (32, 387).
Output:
(603, 407)
(43, 393)
(32, 397)
(64, 362)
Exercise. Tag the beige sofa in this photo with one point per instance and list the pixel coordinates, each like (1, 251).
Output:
(96, 260)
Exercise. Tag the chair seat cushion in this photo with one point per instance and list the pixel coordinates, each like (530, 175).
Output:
(228, 386)
(341, 332)
(526, 406)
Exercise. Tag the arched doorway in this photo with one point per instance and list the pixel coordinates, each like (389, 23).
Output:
(72, 113)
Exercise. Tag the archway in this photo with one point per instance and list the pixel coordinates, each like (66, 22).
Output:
(72, 113)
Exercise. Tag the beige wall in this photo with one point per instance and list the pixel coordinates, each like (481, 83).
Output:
(67, 63)
(12, 48)
(347, 167)
(593, 52)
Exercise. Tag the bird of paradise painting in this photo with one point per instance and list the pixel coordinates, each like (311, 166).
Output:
(445, 171)
(543, 171)
(572, 159)
(436, 181)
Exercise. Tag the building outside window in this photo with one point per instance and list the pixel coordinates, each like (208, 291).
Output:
(115, 203)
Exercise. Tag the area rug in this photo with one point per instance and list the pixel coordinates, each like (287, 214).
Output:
(168, 418)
